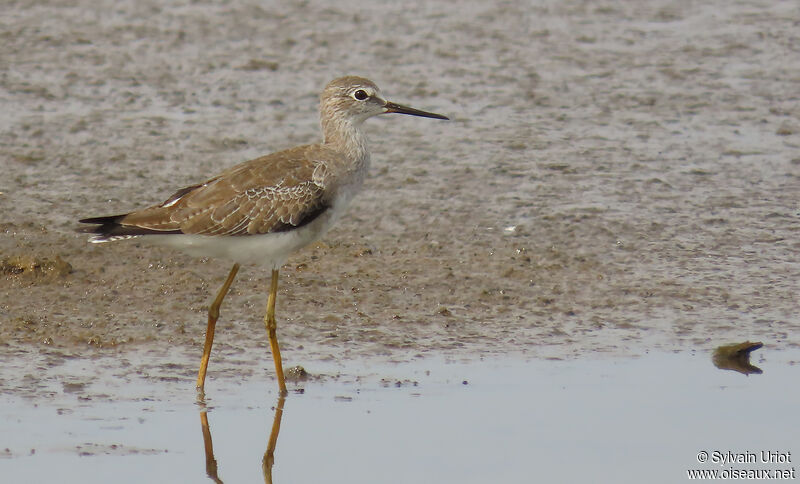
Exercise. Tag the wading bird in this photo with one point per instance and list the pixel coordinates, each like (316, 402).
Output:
(264, 209)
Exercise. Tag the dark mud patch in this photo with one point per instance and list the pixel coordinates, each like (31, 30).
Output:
(33, 268)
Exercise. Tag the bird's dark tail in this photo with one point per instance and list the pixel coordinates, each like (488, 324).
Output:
(101, 221)
(105, 229)
(110, 228)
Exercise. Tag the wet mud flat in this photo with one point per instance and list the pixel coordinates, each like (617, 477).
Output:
(614, 179)
(440, 415)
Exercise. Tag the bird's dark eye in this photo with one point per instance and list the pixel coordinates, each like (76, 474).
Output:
(360, 94)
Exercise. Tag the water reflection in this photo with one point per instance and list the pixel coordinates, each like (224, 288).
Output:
(269, 455)
(212, 470)
(211, 462)
(546, 423)
(736, 357)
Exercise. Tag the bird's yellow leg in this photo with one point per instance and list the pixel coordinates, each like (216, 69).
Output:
(269, 321)
(213, 314)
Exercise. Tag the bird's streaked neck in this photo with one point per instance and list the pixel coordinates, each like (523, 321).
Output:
(344, 134)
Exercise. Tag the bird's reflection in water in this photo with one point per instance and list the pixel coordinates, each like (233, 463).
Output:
(211, 462)
(269, 455)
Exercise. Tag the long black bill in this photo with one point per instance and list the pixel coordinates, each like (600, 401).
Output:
(400, 109)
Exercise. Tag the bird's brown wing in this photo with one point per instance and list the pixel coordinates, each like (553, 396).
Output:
(268, 194)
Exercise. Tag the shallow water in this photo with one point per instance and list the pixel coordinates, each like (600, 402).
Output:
(631, 420)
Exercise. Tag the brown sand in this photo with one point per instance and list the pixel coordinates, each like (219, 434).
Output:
(615, 178)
